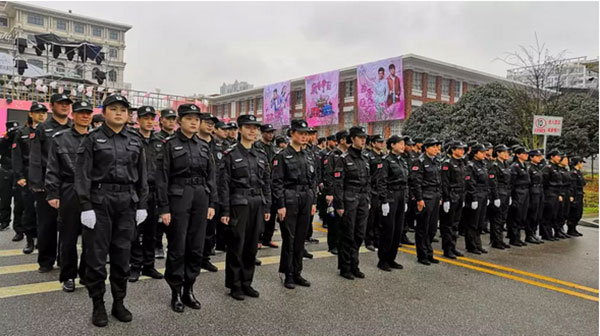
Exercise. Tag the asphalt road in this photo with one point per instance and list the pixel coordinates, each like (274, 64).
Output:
(550, 289)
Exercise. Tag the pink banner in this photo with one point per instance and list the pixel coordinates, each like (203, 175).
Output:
(322, 101)
(380, 90)
(276, 104)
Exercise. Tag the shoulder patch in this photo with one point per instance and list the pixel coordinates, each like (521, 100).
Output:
(275, 163)
(415, 168)
(445, 167)
(491, 176)
(344, 154)
(31, 135)
(47, 130)
(101, 141)
(337, 174)
(177, 148)
(14, 145)
(379, 165)
(468, 177)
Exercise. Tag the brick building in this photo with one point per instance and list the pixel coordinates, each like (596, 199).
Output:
(425, 80)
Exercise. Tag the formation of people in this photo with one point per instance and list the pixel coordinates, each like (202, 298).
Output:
(214, 185)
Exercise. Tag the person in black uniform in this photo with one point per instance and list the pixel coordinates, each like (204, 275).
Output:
(314, 150)
(394, 195)
(293, 194)
(521, 182)
(245, 192)
(477, 188)
(111, 183)
(409, 218)
(8, 185)
(144, 241)
(266, 145)
(167, 123)
(38, 155)
(374, 222)
(97, 120)
(536, 197)
(500, 179)
(20, 162)
(322, 204)
(187, 195)
(453, 197)
(351, 193)
(576, 202)
(426, 186)
(565, 192)
(205, 133)
(219, 137)
(552, 196)
(61, 195)
(232, 134)
(333, 219)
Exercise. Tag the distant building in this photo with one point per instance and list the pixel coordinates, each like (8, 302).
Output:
(235, 87)
(576, 73)
(22, 20)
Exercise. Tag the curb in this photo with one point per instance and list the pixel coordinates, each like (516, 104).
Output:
(589, 222)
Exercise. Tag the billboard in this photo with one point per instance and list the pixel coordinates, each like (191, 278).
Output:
(322, 102)
(380, 90)
(276, 104)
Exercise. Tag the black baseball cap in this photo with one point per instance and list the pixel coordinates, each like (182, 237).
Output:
(247, 119)
(478, 147)
(115, 98)
(98, 118)
(220, 125)
(343, 134)
(299, 125)
(208, 116)
(11, 124)
(378, 138)
(82, 106)
(185, 109)
(331, 138)
(59, 97)
(393, 139)
(267, 128)
(357, 131)
(168, 113)
(145, 110)
(431, 142)
(37, 107)
(520, 150)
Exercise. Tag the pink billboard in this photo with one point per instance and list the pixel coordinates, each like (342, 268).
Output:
(322, 102)
(276, 104)
(380, 90)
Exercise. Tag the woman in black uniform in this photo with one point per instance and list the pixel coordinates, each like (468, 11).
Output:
(185, 181)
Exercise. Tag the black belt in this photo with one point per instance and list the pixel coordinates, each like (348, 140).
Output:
(396, 187)
(298, 188)
(112, 186)
(249, 192)
(356, 189)
(197, 180)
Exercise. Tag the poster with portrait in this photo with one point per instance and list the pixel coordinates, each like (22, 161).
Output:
(322, 102)
(276, 104)
(380, 90)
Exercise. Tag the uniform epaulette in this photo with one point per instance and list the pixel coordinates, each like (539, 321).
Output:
(384, 156)
(170, 137)
(260, 150)
(346, 153)
(133, 131)
(61, 132)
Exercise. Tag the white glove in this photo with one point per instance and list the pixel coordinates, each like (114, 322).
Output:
(160, 219)
(385, 208)
(497, 203)
(509, 200)
(488, 203)
(474, 205)
(405, 207)
(446, 207)
(88, 219)
(140, 216)
(464, 204)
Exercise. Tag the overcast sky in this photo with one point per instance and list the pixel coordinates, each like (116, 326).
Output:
(193, 47)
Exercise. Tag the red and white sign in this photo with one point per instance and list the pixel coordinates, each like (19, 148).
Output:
(547, 125)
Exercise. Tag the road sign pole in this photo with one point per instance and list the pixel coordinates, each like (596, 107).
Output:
(545, 139)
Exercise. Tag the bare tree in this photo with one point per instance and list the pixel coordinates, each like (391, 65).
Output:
(541, 72)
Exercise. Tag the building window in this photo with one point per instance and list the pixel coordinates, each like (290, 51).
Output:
(61, 24)
(113, 35)
(431, 84)
(97, 31)
(418, 81)
(396, 127)
(243, 107)
(35, 19)
(348, 119)
(378, 127)
(112, 76)
(349, 92)
(78, 28)
(298, 97)
(260, 107)
(251, 106)
(112, 53)
(445, 87)
(36, 62)
(3, 21)
(457, 89)
(60, 67)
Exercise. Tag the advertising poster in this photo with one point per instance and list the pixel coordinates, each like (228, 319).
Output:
(276, 104)
(380, 90)
(322, 102)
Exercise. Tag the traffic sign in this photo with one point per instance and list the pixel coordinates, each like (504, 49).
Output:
(547, 125)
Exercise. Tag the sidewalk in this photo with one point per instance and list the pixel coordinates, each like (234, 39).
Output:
(591, 221)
